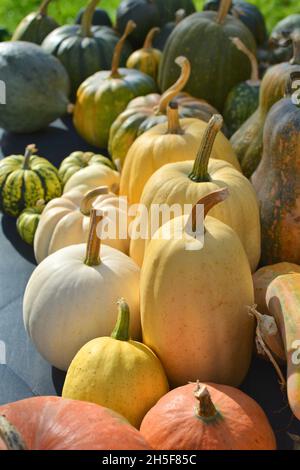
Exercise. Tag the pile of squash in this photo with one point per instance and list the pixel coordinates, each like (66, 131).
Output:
(155, 328)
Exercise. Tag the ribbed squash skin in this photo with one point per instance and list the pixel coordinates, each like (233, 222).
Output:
(35, 27)
(27, 223)
(277, 182)
(198, 37)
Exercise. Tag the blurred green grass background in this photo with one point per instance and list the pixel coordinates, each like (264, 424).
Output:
(12, 11)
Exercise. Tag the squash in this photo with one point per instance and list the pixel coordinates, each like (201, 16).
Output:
(284, 28)
(283, 301)
(70, 297)
(28, 221)
(103, 96)
(277, 185)
(168, 8)
(37, 87)
(161, 38)
(248, 140)
(84, 49)
(194, 291)
(100, 17)
(145, 112)
(263, 278)
(207, 417)
(24, 180)
(54, 423)
(198, 37)
(36, 26)
(147, 59)
(66, 220)
(243, 99)
(117, 373)
(172, 142)
(185, 182)
(79, 160)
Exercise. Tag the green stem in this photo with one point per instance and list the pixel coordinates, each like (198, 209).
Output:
(200, 170)
(148, 44)
(29, 151)
(87, 19)
(205, 410)
(43, 9)
(223, 11)
(119, 48)
(10, 436)
(296, 45)
(121, 330)
(178, 86)
(94, 242)
(173, 119)
(90, 196)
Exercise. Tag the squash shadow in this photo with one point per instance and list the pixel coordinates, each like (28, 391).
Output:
(58, 379)
(9, 230)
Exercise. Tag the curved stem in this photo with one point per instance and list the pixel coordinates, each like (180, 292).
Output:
(119, 48)
(87, 19)
(43, 9)
(296, 45)
(29, 151)
(179, 16)
(148, 44)
(173, 91)
(86, 203)
(200, 169)
(252, 58)
(121, 330)
(94, 242)
(205, 410)
(173, 120)
(10, 436)
(209, 202)
(223, 11)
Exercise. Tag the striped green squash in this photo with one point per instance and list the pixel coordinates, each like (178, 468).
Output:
(24, 180)
(28, 221)
(78, 160)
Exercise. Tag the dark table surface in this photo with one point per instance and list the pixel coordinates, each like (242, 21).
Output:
(23, 373)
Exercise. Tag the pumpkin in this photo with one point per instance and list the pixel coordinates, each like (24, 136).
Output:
(54, 423)
(186, 182)
(24, 180)
(283, 303)
(103, 96)
(249, 14)
(100, 17)
(79, 160)
(168, 8)
(207, 417)
(243, 99)
(66, 220)
(284, 28)
(172, 142)
(28, 221)
(70, 297)
(277, 185)
(194, 291)
(248, 140)
(147, 59)
(84, 49)
(145, 112)
(198, 37)
(37, 87)
(117, 373)
(36, 26)
(161, 38)
(263, 278)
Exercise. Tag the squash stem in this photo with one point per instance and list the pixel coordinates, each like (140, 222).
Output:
(200, 170)
(87, 19)
(209, 202)
(119, 48)
(94, 242)
(206, 410)
(148, 44)
(296, 46)
(173, 91)
(10, 436)
(179, 16)
(90, 196)
(29, 151)
(43, 9)
(223, 11)
(121, 330)
(252, 58)
(173, 120)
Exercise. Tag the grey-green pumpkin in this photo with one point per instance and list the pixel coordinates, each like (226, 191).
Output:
(28, 221)
(24, 180)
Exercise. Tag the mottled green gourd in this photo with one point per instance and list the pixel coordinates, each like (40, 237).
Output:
(28, 221)
(24, 180)
(243, 99)
(147, 59)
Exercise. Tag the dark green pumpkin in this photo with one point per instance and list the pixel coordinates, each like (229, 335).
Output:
(37, 87)
(100, 17)
(28, 221)
(217, 65)
(161, 38)
(84, 49)
(168, 8)
(105, 95)
(78, 160)
(24, 180)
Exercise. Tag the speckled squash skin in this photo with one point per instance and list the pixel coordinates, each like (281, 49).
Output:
(277, 182)
(28, 221)
(240, 104)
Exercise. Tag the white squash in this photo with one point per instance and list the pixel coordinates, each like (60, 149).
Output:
(93, 176)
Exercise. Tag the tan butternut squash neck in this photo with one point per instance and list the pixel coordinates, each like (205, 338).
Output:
(252, 58)
(205, 410)
(10, 436)
(87, 19)
(29, 151)
(121, 330)
(90, 196)
(94, 242)
(43, 9)
(119, 48)
(175, 89)
(148, 44)
(223, 11)
(173, 120)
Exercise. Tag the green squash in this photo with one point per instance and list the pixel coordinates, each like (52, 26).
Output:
(37, 87)
(217, 65)
(105, 95)
(36, 26)
(84, 49)
(243, 99)
(147, 59)
(78, 160)
(28, 221)
(247, 142)
(24, 180)
(168, 8)
(161, 38)
(283, 29)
